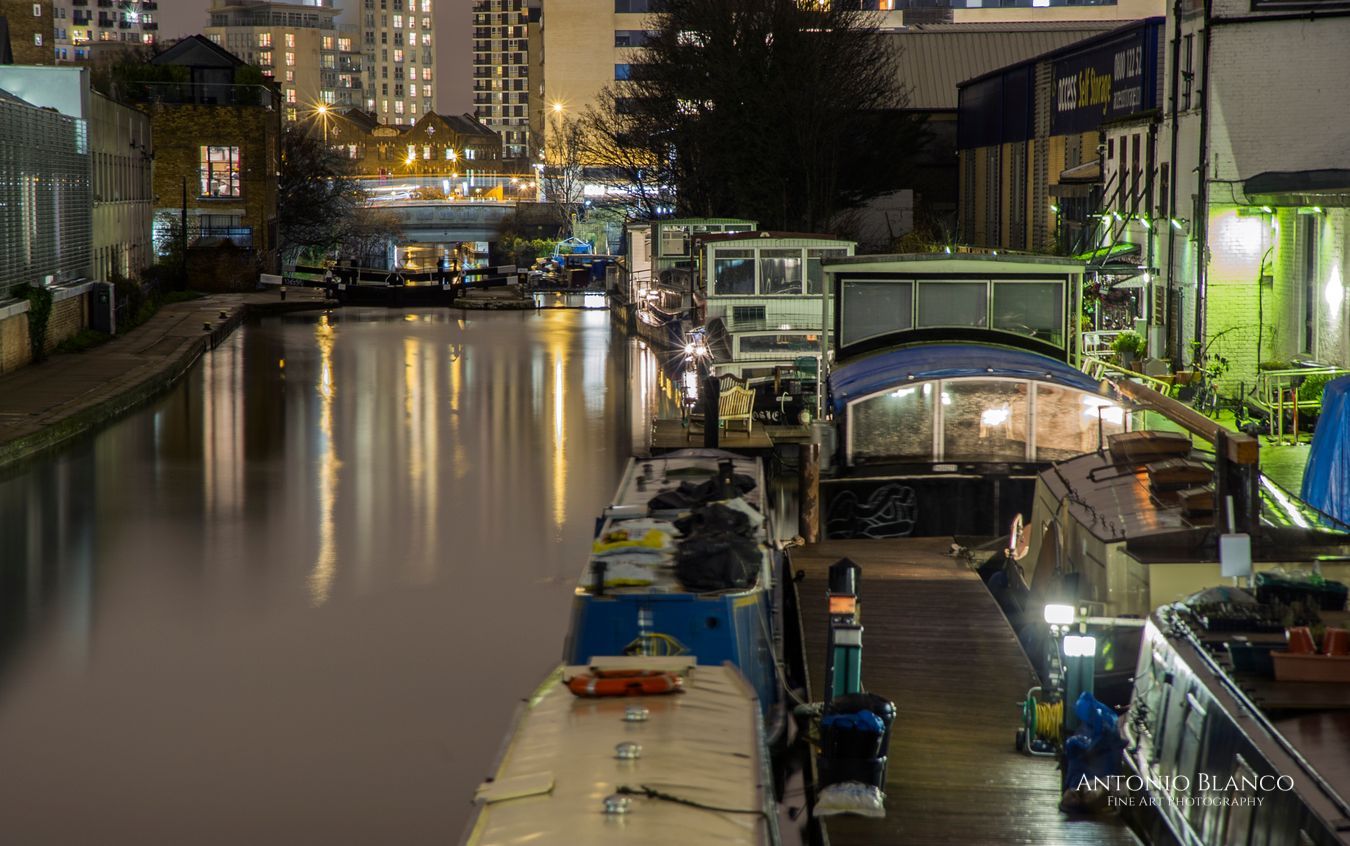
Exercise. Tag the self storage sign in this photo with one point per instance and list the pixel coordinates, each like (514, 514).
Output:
(1111, 81)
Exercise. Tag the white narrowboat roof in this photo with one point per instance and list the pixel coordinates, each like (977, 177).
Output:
(955, 263)
(703, 745)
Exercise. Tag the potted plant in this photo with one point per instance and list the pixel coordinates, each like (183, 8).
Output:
(1129, 345)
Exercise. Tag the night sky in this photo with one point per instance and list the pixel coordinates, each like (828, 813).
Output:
(453, 25)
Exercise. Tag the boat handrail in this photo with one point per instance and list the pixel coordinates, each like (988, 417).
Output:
(1176, 629)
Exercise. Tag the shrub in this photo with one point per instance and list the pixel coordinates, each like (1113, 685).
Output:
(1128, 342)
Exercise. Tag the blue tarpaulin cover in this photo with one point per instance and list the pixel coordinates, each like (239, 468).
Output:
(947, 361)
(1326, 479)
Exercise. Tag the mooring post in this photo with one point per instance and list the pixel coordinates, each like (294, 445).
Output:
(808, 492)
(843, 669)
(711, 424)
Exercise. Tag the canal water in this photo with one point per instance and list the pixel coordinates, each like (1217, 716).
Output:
(297, 599)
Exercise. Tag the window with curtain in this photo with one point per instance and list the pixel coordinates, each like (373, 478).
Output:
(780, 271)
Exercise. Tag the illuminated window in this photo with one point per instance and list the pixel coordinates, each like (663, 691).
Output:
(384, 105)
(290, 39)
(290, 95)
(426, 74)
(290, 60)
(265, 57)
(291, 114)
(398, 55)
(37, 39)
(398, 107)
(345, 45)
(426, 7)
(290, 76)
(426, 152)
(264, 39)
(412, 90)
(327, 42)
(220, 171)
(398, 22)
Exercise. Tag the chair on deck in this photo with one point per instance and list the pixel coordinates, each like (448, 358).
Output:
(736, 401)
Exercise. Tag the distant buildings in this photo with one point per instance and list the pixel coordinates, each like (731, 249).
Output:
(300, 46)
(81, 24)
(501, 71)
(437, 145)
(402, 71)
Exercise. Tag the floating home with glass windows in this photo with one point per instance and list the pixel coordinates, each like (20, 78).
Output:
(954, 384)
(660, 258)
(764, 306)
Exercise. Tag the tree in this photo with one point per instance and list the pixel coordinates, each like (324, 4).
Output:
(563, 174)
(318, 202)
(367, 238)
(783, 111)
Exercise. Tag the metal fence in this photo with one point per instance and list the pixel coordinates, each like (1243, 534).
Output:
(46, 218)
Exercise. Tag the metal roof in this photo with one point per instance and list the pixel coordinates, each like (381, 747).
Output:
(934, 59)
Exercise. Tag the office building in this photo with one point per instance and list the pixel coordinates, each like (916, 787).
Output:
(81, 24)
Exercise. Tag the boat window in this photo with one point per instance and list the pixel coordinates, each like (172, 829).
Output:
(815, 261)
(1066, 421)
(984, 420)
(872, 309)
(1034, 309)
(953, 304)
(897, 425)
(733, 272)
(787, 344)
(1188, 756)
(674, 240)
(1237, 830)
(780, 271)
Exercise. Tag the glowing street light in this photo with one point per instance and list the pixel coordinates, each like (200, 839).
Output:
(322, 111)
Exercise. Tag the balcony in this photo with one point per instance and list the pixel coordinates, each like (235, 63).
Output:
(239, 236)
(149, 6)
(105, 4)
(150, 26)
(79, 2)
(201, 94)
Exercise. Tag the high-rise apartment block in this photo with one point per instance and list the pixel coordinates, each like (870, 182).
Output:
(299, 44)
(401, 69)
(82, 24)
(501, 77)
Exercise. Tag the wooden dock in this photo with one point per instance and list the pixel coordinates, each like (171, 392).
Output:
(671, 433)
(935, 642)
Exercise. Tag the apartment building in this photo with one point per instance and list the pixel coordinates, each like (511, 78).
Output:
(314, 60)
(501, 72)
(81, 24)
(401, 69)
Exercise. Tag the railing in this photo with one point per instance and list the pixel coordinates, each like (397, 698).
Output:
(202, 94)
(240, 236)
(1099, 368)
(1098, 344)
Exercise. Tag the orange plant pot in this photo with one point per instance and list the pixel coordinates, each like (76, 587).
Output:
(1336, 642)
(1300, 641)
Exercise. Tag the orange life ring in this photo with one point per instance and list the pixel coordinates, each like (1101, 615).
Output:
(624, 683)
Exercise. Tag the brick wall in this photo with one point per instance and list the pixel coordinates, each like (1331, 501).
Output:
(180, 131)
(14, 342)
(26, 29)
(68, 317)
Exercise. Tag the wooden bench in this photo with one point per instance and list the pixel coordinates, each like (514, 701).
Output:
(736, 402)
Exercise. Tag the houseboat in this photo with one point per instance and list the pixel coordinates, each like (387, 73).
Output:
(760, 300)
(1235, 738)
(953, 385)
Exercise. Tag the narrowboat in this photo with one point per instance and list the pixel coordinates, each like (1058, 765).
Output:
(1224, 746)
(685, 562)
(686, 768)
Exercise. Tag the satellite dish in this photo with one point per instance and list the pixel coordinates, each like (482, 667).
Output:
(1018, 540)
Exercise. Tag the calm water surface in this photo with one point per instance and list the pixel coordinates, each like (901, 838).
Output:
(296, 600)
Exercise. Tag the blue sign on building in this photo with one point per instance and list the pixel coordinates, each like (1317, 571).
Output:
(1111, 80)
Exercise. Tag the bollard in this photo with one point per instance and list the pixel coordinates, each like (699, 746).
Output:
(808, 492)
(711, 424)
(206, 327)
(843, 672)
(283, 292)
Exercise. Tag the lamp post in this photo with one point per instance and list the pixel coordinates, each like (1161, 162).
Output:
(323, 116)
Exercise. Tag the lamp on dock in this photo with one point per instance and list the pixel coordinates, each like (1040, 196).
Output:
(843, 674)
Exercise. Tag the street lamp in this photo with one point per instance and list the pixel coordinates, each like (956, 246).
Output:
(322, 109)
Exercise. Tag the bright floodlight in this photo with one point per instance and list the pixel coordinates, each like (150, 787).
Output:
(1059, 615)
(1080, 646)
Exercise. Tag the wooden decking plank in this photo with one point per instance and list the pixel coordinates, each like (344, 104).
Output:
(936, 643)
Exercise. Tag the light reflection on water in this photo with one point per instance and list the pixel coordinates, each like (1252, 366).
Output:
(296, 599)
